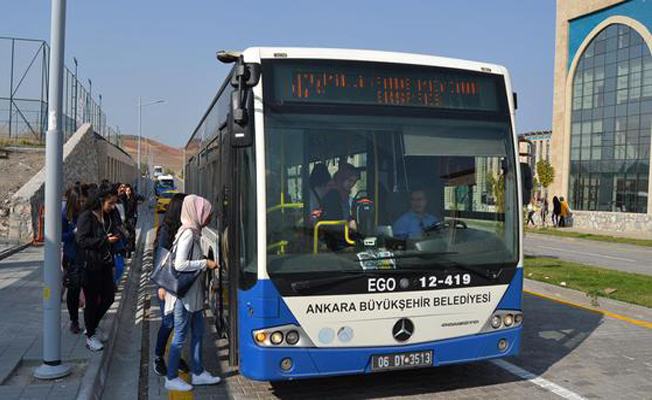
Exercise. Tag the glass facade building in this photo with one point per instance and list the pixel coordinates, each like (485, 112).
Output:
(611, 121)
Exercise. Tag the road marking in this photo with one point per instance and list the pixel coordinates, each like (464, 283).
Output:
(587, 254)
(632, 321)
(537, 380)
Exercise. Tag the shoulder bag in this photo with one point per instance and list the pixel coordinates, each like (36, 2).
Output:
(166, 276)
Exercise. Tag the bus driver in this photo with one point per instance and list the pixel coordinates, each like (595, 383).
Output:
(413, 223)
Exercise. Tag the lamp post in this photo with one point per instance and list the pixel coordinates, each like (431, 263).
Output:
(140, 130)
(90, 100)
(74, 59)
(52, 368)
(99, 117)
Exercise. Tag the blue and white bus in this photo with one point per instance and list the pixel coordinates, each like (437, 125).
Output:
(368, 211)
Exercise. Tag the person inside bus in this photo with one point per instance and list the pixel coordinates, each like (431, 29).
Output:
(413, 223)
(318, 181)
(337, 199)
(188, 311)
(337, 203)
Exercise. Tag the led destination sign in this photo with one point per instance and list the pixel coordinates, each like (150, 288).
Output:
(384, 84)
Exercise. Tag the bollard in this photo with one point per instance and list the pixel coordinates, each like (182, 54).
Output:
(41, 222)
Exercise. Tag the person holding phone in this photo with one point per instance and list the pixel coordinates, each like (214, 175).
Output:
(96, 235)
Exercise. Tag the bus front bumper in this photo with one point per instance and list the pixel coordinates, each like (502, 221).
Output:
(264, 363)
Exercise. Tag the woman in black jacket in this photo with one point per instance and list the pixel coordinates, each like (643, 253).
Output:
(96, 233)
(130, 202)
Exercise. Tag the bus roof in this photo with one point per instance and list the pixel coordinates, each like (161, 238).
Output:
(164, 177)
(255, 54)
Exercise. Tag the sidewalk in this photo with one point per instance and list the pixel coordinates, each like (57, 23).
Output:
(21, 334)
(628, 235)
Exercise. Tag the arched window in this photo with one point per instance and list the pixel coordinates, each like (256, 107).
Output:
(611, 122)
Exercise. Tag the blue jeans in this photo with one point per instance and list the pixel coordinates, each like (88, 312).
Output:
(184, 320)
(167, 325)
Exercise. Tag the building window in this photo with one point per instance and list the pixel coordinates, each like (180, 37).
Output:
(611, 122)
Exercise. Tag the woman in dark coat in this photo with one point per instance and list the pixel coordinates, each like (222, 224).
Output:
(556, 211)
(96, 235)
(72, 276)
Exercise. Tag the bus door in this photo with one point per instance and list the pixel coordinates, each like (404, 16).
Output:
(226, 316)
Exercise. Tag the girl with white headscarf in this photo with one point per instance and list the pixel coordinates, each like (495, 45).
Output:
(188, 310)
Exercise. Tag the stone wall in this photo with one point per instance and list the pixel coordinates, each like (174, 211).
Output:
(612, 221)
(84, 156)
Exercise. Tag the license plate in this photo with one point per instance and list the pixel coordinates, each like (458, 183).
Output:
(412, 359)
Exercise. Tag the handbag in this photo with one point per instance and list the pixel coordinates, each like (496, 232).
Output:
(166, 276)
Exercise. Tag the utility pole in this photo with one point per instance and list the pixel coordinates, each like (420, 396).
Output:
(52, 367)
(74, 59)
(140, 129)
(140, 133)
(90, 101)
(99, 115)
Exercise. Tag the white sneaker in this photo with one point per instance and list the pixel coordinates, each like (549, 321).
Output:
(177, 384)
(94, 344)
(205, 378)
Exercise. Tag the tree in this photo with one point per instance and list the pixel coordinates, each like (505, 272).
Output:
(546, 173)
(499, 192)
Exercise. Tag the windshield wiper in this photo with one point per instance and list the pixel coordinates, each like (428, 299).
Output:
(413, 255)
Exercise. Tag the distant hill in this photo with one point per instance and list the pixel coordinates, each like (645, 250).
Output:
(164, 155)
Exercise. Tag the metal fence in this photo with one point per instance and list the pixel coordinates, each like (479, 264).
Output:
(24, 66)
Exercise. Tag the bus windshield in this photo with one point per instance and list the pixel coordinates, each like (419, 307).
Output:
(165, 183)
(355, 186)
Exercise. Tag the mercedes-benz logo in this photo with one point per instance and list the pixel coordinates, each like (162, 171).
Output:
(403, 330)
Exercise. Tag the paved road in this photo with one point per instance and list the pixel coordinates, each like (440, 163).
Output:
(623, 257)
(567, 352)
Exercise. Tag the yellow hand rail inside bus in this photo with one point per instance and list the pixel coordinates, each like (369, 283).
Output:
(284, 206)
(282, 244)
(330, 223)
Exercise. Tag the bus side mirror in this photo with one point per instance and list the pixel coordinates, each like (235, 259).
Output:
(527, 180)
(244, 77)
(240, 123)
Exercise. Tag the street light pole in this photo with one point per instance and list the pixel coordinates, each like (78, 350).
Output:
(90, 100)
(74, 59)
(52, 367)
(140, 132)
(99, 116)
(140, 129)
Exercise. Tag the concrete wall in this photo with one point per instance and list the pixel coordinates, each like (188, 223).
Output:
(87, 157)
(612, 221)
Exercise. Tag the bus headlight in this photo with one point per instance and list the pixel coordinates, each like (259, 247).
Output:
(282, 336)
(292, 337)
(503, 319)
(276, 338)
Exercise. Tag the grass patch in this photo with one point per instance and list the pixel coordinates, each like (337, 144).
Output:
(20, 142)
(589, 236)
(630, 288)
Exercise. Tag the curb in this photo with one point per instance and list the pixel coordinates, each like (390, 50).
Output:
(581, 299)
(92, 384)
(13, 250)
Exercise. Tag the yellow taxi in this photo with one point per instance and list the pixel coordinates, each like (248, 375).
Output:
(163, 200)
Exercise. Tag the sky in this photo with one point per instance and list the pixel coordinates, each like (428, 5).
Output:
(164, 49)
